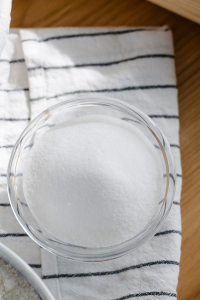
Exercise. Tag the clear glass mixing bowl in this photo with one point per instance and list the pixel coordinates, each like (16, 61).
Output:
(72, 108)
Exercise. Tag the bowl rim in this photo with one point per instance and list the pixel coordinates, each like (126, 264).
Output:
(110, 252)
(26, 271)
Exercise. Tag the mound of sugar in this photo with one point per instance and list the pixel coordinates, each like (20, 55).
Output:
(93, 181)
(13, 285)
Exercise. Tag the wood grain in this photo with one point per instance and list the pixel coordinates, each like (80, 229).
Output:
(188, 9)
(51, 13)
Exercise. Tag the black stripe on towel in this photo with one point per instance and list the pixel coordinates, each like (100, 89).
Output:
(164, 116)
(11, 175)
(6, 146)
(22, 203)
(174, 145)
(14, 61)
(74, 275)
(28, 146)
(176, 203)
(12, 235)
(172, 177)
(171, 145)
(167, 232)
(14, 119)
(36, 266)
(80, 35)
(105, 64)
(147, 294)
(129, 88)
(14, 90)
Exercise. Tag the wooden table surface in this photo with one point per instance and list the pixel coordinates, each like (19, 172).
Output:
(51, 13)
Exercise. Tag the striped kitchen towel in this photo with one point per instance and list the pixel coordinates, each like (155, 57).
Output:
(41, 67)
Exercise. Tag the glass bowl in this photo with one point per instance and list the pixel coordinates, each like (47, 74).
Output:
(72, 108)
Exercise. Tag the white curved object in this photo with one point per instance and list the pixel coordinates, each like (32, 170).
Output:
(20, 265)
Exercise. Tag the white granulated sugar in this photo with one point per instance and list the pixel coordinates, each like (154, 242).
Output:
(94, 182)
(13, 285)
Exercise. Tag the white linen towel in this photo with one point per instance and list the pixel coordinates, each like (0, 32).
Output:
(5, 9)
(41, 67)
